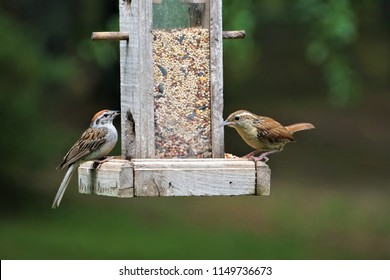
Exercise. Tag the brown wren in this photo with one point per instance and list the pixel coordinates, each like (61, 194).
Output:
(263, 133)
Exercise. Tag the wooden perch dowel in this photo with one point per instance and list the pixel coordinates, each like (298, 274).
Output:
(119, 36)
(113, 36)
(234, 34)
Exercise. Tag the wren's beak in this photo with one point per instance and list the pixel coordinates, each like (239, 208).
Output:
(227, 123)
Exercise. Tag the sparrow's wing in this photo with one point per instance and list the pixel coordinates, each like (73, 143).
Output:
(273, 131)
(91, 140)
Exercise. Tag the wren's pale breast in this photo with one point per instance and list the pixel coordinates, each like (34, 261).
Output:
(249, 134)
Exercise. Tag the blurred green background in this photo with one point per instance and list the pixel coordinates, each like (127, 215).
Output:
(325, 62)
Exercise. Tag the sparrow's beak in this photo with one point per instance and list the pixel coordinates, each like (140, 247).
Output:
(114, 114)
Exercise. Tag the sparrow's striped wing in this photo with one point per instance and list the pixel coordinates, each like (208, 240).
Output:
(91, 140)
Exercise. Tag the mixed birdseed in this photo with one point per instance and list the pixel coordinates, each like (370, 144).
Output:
(182, 93)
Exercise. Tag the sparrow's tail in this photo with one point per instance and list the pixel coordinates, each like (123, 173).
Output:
(64, 184)
(298, 127)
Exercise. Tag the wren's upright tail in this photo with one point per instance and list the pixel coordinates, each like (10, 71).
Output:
(298, 127)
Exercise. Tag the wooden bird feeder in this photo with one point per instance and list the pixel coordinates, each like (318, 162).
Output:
(171, 107)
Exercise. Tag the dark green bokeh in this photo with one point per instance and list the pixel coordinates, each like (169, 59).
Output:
(309, 60)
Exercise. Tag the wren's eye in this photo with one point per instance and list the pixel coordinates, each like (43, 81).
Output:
(237, 118)
(105, 115)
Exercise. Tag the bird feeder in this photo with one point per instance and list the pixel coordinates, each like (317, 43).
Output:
(171, 81)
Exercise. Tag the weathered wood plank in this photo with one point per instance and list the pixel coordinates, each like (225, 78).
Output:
(194, 177)
(136, 67)
(175, 177)
(216, 79)
(113, 178)
(263, 179)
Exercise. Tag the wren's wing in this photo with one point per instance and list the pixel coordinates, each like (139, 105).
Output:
(272, 131)
(91, 140)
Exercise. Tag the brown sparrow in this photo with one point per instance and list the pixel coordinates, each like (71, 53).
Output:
(262, 133)
(96, 142)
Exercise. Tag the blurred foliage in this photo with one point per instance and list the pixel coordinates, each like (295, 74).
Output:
(241, 15)
(329, 194)
(329, 29)
(23, 68)
(42, 72)
(332, 27)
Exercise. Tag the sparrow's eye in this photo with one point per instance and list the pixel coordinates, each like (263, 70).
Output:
(105, 115)
(237, 118)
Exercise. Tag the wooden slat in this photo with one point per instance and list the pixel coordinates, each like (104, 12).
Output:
(113, 178)
(175, 177)
(136, 67)
(193, 177)
(216, 79)
(263, 179)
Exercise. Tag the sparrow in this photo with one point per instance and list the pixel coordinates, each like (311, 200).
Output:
(96, 142)
(263, 133)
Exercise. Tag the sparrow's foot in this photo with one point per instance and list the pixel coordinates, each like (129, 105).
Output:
(98, 163)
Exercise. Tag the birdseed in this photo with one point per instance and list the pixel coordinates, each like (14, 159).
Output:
(182, 93)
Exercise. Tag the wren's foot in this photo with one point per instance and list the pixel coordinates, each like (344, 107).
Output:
(98, 163)
(263, 156)
(259, 158)
(251, 154)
